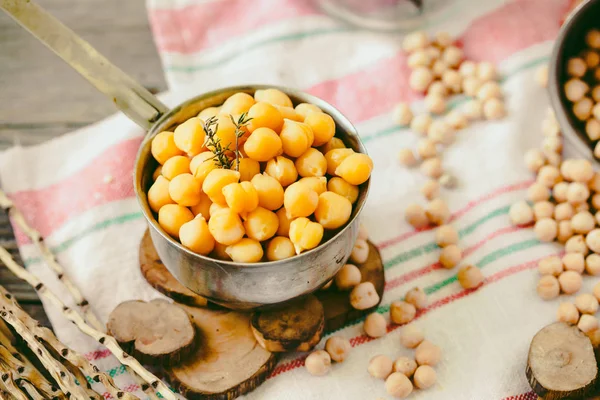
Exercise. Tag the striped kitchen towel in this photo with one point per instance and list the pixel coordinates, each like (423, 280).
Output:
(76, 190)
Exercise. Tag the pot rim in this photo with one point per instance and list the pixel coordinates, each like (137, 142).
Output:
(341, 122)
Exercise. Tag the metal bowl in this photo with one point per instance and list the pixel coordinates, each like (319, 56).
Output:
(242, 285)
(569, 43)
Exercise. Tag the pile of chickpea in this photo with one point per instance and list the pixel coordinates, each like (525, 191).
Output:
(292, 179)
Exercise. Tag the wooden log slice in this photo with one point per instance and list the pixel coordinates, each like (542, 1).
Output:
(159, 277)
(229, 362)
(338, 311)
(561, 363)
(157, 332)
(296, 326)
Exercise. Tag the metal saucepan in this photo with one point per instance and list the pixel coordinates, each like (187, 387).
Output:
(234, 285)
(569, 43)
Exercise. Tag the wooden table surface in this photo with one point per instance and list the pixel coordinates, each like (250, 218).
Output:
(41, 97)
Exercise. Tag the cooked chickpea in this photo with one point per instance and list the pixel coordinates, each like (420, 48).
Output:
(486, 71)
(563, 212)
(568, 313)
(577, 244)
(270, 192)
(263, 144)
(264, 115)
(437, 212)
(226, 227)
(592, 39)
(432, 167)
(280, 248)
(245, 250)
(332, 210)
(348, 277)
(402, 312)
(322, 126)
(248, 168)
(405, 365)
(375, 325)
(587, 323)
(583, 109)
(596, 93)
(380, 367)
(241, 197)
(594, 183)
(272, 96)
(586, 303)
(208, 113)
(335, 157)
(548, 287)
(225, 132)
(318, 363)
(202, 164)
(300, 200)
(175, 166)
(440, 132)
(158, 194)
(219, 252)
(592, 59)
(489, 90)
(316, 183)
(534, 160)
(543, 209)
(424, 377)
(411, 337)
(473, 110)
(355, 169)
(470, 277)
(468, 69)
(577, 193)
(597, 148)
(420, 78)
(551, 265)
(416, 216)
(343, 188)
(582, 171)
(452, 79)
(456, 120)
(338, 348)
(305, 234)
(470, 85)
(546, 229)
(334, 143)
(576, 67)
(435, 104)
(214, 207)
(184, 189)
(157, 172)
(541, 75)
(203, 207)
(420, 123)
(450, 256)
(172, 216)
(360, 251)
(215, 181)
(189, 136)
(195, 236)
(430, 189)
(289, 113)
(583, 222)
(452, 55)
(595, 201)
(426, 148)
(554, 159)
(427, 353)
(398, 385)
(163, 147)
(570, 282)
(538, 192)
(282, 169)
(446, 235)
(364, 296)
(296, 138)
(417, 297)
(239, 103)
(596, 291)
(575, 89)
(407, 158)
(493, 109)
(311, 163)
(520, 213)
(401, 114)
(592, 240)
(261, 224)
(592, 264)
(438, 88)
(304, 108)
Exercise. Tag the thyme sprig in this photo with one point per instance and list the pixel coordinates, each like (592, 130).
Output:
(241, 123)
(212, 140)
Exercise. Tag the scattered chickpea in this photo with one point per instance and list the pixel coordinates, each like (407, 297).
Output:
(541, 75)
(375, 325)
(438, 68)
(360, 251)
(420, 79)
(450, 256)
(577, 244)
(420, 58)
(470, 85)
(567, 312)
(380, 367)
(440, 132)
(427, 353)
(318, 363)
(468, 68)
(448, 181)
(416, 216)
(452, 55)
(486, 71)
(473, 109)
(407, 158)
(424, 377)
(417, 297)
(551, 265)
(402, 114)
(437, 212)
(586, 303)
(398, 385)
(570, 282)
(402, 312)
(534, 160)
(470, 277)
(575, 89)
(587, 323)
(592, 240)
(415, 41)
(363, 233)
(438, 88)
(456, 120)
(338, 348)
(364, 296)
(538, 192)
(563, 212)
(546, 229)
(543, 209)
(411, 337)
(420, 123)
(548, 287)
(521, 213)
(430, 189)
(435, 104)
(565, 231)
(452, 79)
(446, 235)
(348, 277)
(592, 264)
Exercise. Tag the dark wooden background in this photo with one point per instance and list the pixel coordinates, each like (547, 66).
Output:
(41, 97)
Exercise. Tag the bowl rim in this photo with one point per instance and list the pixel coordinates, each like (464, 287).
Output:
(138, 176)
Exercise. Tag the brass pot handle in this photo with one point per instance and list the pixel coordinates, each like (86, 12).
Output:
(129, 96)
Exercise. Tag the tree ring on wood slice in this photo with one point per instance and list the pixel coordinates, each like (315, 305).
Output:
(159, 277)
(338, 310)
(157, 332)
(561, 363)
(229, 362)
(294, 326)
